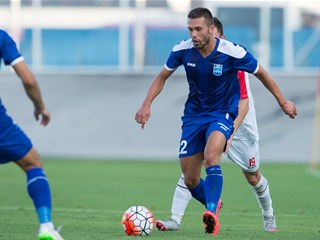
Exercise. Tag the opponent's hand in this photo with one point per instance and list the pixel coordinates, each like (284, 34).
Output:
(290, 109)
(43, 115)
(142, 116)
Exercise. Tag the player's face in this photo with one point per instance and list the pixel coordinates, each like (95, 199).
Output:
(200, 32)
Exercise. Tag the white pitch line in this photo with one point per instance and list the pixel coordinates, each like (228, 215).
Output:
(76, 210)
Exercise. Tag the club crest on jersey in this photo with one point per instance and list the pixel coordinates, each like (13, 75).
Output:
(217, 69)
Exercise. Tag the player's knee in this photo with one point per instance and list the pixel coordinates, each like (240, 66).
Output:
(191, 182)
(253, 181)
(253, 178)
(211, 159)
(30, 160)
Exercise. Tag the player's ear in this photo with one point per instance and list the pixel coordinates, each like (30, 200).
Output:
(223, 37)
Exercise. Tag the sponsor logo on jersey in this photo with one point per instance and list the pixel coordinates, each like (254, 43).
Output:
(217, 69)
(191, 64)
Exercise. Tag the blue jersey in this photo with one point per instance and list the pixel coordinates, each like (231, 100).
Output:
(213, 81)
(14, 143)
(8, 49)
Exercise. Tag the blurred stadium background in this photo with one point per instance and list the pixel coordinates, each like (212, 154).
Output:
(95, 59)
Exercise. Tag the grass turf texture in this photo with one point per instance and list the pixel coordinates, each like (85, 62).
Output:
(89, 198)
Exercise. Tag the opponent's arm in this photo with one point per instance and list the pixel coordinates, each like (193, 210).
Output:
(243, 107)
(242, 112)
(287, 106)
(33, 91)
(156, 87)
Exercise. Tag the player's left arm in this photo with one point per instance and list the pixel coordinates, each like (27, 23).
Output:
(287, 106)
(33, 91)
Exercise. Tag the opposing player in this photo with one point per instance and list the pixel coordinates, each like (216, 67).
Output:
(243, 150)
(211, 66)
(15, 146)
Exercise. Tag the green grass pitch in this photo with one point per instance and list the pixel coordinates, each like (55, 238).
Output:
(89, 198)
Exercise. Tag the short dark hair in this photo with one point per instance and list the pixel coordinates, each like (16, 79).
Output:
(201, 12)
(216, 22)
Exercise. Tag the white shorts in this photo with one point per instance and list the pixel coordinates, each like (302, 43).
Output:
(245, 154)
(244, 148)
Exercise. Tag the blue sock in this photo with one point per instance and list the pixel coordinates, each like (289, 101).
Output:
(39, 191)
(213, 187)
(198, 192)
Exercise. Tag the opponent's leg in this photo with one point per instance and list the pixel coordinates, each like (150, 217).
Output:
(182, 194)
(260, 187)
(181, 198)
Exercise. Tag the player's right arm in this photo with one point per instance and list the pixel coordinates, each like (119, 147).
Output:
(155, 88)
(11, 56)
(33, 91)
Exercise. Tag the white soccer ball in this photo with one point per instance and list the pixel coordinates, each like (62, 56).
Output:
(138, 220)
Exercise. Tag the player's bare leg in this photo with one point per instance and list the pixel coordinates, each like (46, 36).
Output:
(191, 169)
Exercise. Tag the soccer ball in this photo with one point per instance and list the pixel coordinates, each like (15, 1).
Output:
(138, 220)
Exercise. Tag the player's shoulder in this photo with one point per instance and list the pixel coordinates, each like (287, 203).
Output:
(230, 48)
(4, 35)
(3, 32)
(183, 45)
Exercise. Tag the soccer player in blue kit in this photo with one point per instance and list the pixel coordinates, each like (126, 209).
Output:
(211, 66)
(243, 150)
(15, 146)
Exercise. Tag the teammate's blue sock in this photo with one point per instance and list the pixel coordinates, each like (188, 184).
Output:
(198, 192)
(39, 191)
(213, 187)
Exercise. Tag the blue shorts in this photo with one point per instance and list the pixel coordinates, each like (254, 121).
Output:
(196, 130)
(14, 143)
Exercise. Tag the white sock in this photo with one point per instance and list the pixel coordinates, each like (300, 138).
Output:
(181, 198)
(262, 193)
